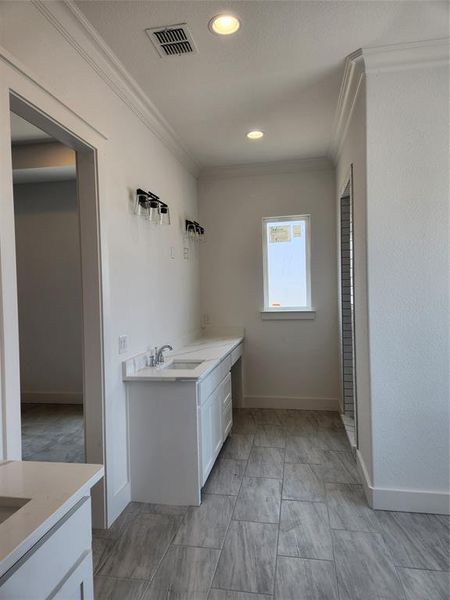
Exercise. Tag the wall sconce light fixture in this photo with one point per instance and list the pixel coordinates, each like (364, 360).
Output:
(149, 205)
(194, 231)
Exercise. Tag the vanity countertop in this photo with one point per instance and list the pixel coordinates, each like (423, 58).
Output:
(209, 350)
(51, 489)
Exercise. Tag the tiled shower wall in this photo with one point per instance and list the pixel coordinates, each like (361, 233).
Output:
(347, 304)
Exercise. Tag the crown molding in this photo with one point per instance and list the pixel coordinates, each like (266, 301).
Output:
(322, 163)
(367, 61)
(406, 56)
(70, 22)
(348, 94)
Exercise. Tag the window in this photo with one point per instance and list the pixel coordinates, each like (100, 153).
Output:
(286, 243)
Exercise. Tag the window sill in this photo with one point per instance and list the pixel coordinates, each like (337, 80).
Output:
(288, 315)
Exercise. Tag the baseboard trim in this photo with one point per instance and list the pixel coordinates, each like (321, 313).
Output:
(402, 500)
(51, 398)
(118, 503)
(291, 402)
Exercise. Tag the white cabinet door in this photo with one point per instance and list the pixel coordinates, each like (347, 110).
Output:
(206, 422)
(79, 584)
(216, 425)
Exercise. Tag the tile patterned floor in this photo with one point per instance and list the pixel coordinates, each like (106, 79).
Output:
(283, 518)
(53, 432)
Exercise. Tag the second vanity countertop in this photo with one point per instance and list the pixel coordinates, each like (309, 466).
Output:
(209, 350)
(44, 493)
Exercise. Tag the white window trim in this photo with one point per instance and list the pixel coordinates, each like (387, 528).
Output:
(269, 311)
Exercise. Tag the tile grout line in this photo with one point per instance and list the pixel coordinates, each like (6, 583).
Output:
(227, 529)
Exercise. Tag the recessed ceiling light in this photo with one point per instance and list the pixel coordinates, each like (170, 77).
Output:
(224, 24)
(256, 134)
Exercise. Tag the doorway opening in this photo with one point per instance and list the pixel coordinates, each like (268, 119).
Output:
(59, 303)
(347, 315)
(48, 264)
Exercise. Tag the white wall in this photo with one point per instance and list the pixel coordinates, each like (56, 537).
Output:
(147, 295)
(287, 363)
(49, 291)
(408, 268)
(397, 141)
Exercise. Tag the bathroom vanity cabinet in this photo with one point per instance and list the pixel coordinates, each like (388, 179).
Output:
(178, 424)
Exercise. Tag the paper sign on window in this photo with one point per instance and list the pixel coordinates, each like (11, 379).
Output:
(297, 230)
(280, 233)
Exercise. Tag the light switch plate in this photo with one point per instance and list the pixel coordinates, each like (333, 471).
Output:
(172, 252)
(123, 344)
(186, 253)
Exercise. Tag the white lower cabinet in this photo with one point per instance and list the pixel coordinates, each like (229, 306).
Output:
(212, 425)
(59, 565)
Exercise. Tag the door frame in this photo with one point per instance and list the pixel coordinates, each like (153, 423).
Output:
(92, 301)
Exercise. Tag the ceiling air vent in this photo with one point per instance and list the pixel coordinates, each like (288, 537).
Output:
(172, 40)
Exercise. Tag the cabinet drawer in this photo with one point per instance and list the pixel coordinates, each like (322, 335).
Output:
(46, 565)
(236, 354)
(211, 381)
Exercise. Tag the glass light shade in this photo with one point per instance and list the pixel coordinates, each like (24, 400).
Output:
(153, 212)
(256, 134)
(164, 214)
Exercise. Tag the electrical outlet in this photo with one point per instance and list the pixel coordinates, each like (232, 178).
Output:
(123, 344)
(206, 320)
(186, 253)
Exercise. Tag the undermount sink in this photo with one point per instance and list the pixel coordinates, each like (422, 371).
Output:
(8, 506)
(183, 364)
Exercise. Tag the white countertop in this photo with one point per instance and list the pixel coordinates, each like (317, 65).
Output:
(209, 350)
(52, 489)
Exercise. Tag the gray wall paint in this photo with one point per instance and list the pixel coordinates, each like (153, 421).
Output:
(49, 289)
(284, 359)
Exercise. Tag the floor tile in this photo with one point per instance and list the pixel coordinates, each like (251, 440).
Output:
(247, 562)
(243, 421)
(300, 579)
(348, 508)
(207, 524)
(258, 500)
(332, 440)
(425, 585)
(300, 483)
(228, 595)
(304, 530)
(139, 549)
(270, 436)
(340, 467)
(237, 446)
(226, 477)
(185, 573)
(110, 588)
(268, 416)
(100, 549)
(304, 450)
(265, 462)
(364, 567)
(415, 540)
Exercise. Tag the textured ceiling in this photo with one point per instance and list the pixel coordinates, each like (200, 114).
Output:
(281, 72)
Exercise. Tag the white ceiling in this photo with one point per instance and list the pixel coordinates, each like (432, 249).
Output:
(23, 132)
(281, 72)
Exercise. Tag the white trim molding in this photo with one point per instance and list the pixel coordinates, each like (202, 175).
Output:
(71, 23)
(288, 315)
(403, 500)
(375, 60)
(321, 163)
(290, 402)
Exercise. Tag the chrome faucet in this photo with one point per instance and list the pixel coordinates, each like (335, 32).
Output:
(159, 358)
